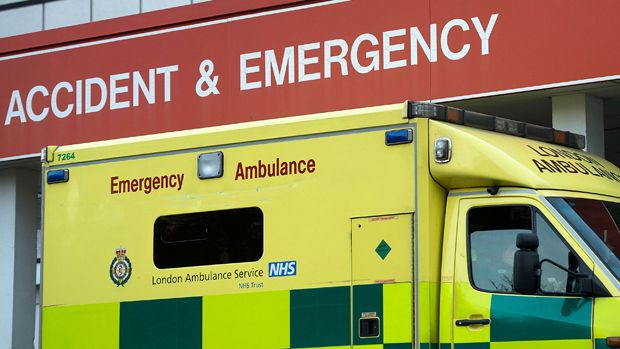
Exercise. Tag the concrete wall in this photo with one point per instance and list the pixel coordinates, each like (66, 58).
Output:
(581, 113)
(62, 13)
(7, 256)
(19, 221)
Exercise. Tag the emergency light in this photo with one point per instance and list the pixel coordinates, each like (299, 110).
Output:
(57, 176)
(403, 136)
(210, 165)
(496, 124)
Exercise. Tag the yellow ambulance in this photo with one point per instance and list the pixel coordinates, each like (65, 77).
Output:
(415, 226)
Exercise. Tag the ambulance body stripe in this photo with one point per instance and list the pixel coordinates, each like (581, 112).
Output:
(305, 318)
(546, 318)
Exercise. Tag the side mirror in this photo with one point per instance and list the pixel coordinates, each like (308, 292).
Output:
(587, 284)
(572, 281)
(592, 287)
(581, 284)
(526, 272)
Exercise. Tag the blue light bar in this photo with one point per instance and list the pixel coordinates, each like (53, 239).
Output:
(403, 136)
(57, 176)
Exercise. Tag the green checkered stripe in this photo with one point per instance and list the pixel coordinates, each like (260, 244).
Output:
(306, 318)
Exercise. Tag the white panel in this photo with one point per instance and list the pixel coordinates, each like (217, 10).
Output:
(21, 20)
(105, 9)
(583, 114)
(595, 125)
(154, 5)
(198, 1)
(26, 224)
(569, 113)
(64, 13)
(7, 254)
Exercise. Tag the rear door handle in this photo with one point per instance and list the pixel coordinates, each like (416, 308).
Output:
(469, 322)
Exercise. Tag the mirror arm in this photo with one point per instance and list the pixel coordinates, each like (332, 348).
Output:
(577, 275)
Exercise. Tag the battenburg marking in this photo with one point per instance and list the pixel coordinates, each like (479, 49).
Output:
(120, 268)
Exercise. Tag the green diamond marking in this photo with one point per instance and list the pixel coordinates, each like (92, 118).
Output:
(383, 249)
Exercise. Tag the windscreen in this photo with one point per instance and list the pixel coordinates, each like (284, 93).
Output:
(596, 221)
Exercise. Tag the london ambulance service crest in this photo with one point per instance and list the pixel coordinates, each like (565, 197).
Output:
(120, 268)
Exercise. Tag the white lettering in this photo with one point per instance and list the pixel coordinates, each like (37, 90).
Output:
(373, 55)
(90, 96)
(116, 90)
(388, 48)
(365, 54)
(167, 71)
(340, 58)
(78, 97)
(147, 91)
(16, 102)
(245, 70)
(287, 67)
(29, 107)
(54, 100)
(445, 48)
(485, 34)
(304, 61)
(418, 40)
(90, 108)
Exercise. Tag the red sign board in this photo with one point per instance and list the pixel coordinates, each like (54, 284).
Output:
(300, 59)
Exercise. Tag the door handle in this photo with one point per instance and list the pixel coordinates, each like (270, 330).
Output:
(469, 322)
(613, 342)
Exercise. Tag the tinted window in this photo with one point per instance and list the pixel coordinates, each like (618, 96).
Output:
(207, 238)
(492, 233)
(492, 236)
(597, 222)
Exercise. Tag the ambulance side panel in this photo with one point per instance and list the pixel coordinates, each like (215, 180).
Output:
(309, 191)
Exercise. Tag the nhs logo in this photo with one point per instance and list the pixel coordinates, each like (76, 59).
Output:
(288, 268)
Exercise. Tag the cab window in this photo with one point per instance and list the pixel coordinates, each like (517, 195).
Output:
(492, 233)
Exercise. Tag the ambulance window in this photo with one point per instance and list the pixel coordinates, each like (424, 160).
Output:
(552, 247)
(208, 238)
(492, 236)
(492, 233)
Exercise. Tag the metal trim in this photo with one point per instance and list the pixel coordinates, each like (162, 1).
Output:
(23, 3)
(502, 192)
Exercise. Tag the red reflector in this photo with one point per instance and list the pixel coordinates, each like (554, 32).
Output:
(455, 116)
(560, 137)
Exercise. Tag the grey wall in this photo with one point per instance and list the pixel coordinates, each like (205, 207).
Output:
(19, 221)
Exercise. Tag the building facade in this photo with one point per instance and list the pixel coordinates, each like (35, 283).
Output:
(78, 71)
